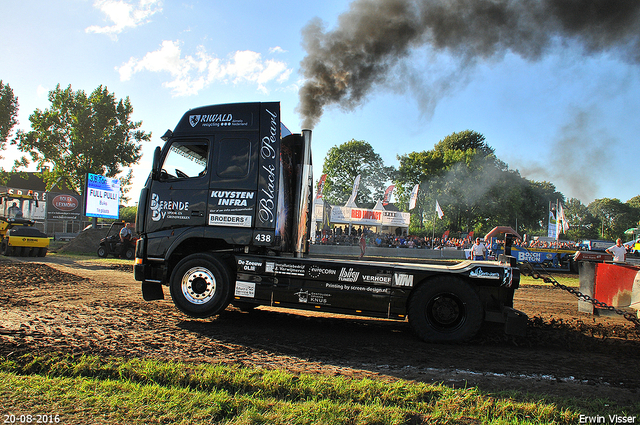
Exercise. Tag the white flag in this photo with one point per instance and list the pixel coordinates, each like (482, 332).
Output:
(439, 210)
(414, 197)
(354, 192)
(561, 217)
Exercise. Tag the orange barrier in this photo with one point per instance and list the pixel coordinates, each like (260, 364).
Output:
(617, 285)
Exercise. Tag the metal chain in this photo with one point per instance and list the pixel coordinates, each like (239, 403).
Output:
(527, 269)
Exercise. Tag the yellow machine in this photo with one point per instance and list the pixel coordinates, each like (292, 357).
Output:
(18, 236)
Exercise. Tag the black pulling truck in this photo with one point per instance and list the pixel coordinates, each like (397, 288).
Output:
(225, 216)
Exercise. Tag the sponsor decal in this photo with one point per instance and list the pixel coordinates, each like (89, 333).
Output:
(231, 198)
(507, 279)
(161, 209)
(229, 220)
(319, 271)
(245, 289)
(348, 275)
(65, 203)
(481, 274)
(376, 279)
(366, 214)
(249, 265)
(313, 297)
(286, 269)
(269, 152)
(532, 257)
(403, 279)
(358, 288)
(219, 120)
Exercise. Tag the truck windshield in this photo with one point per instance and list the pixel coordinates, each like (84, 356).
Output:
(186, 159)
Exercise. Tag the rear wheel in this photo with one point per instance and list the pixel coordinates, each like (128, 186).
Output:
(200, 285)
(445, 309)
(4, 248)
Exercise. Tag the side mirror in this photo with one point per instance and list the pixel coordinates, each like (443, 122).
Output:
(155, 170)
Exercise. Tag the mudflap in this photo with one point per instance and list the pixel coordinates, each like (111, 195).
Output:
(515, 321)
(152, 291)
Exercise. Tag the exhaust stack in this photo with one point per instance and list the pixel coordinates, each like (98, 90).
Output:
(304, 184)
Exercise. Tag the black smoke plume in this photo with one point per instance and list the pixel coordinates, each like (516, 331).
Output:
(371, 40)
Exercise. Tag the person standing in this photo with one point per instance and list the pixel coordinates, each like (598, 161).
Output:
(618, 251)
(478, 250)
(14, 211)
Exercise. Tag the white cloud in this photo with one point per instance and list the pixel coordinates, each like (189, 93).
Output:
(277, 49)
(190, 74)
(124, 14)
(42, 92)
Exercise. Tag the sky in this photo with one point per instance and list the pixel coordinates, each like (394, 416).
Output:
(567, 113)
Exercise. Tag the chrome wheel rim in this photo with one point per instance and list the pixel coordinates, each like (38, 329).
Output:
(198, 285)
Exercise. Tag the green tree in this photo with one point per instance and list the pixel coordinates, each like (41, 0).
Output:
(474, 188)
(615, 217)
(443, 174)
(465, 141)
(458, 172)
(8, 113)
(634, 204)
(344, 163)
(128, 214)
(582, 224)
(82, 134)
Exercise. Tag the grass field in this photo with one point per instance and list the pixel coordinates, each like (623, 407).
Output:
(563, 279)
(82, 390)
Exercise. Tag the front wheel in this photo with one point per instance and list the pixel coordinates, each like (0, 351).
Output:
(200, 285)
(445, 309)
(102, 251)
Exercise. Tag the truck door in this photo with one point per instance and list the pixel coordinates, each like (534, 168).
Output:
(179, 196)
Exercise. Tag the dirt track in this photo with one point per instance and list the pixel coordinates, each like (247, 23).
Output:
(85, 307)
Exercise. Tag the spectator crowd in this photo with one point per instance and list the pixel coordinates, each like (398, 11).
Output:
(341, 236)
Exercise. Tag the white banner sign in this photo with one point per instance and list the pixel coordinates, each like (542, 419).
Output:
(103, 197)
(395, 218)
(369, 217)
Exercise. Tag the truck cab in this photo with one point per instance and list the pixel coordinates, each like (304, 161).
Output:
(225, 181)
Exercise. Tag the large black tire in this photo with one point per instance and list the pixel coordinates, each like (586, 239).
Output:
(201, 285)
(4, 248)
(102, 251)
(129, 253)
(445, 309)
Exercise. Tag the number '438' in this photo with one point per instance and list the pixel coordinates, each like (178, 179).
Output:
(263, 237)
